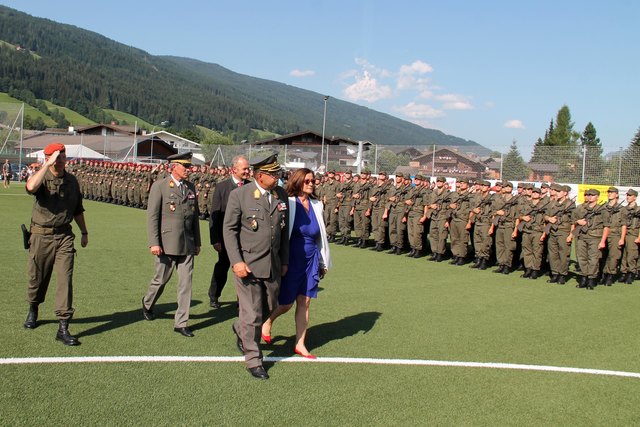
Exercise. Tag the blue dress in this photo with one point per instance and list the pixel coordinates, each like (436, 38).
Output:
(304, 257)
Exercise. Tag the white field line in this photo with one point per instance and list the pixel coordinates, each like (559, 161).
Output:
(367, 361)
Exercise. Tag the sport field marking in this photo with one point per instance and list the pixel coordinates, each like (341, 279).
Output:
(368, 361)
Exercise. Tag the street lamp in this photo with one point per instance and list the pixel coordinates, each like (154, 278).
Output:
(324, 121)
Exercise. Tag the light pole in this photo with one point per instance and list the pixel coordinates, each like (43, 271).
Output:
(324, 121)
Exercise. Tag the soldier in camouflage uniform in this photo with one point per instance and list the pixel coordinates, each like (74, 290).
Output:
(481, 215)
(345, 204)
(616, 237)
(591, 229)
(530, 226)
(415, 216)
(377, 201)
(438, 233)
(629, 267)
(504, 228)
(459, 222)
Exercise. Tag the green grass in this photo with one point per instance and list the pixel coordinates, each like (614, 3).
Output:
(12, 106)
(76, 119)
(129, 119)
(4, 44)
(371, 305)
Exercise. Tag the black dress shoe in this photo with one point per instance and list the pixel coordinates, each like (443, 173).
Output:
(147, 313)
(259, 373)
(185, 332)
(214, 303)
(238, 341)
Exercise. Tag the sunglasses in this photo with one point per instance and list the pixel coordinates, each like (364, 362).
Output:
(309, 181)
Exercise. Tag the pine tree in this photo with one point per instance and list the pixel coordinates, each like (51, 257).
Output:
(635, 141)
(514, 167)
(592, 148)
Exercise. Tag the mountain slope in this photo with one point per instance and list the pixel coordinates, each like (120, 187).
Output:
(87, 72)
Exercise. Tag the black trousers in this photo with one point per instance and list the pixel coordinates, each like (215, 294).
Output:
(219, 276)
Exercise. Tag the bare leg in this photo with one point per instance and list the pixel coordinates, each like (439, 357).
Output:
(268, 324)
(302, 322)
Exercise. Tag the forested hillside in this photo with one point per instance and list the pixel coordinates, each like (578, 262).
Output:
(87, 73)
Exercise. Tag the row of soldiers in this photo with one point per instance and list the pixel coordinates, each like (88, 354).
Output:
(128, 184)
(533, 229)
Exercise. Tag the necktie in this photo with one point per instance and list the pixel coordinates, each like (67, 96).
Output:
(240, 184)
(183, 189)
(266, 195)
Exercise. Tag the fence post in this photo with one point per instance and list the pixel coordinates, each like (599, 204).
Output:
(500, 177)
(584, 161)
(619, 166)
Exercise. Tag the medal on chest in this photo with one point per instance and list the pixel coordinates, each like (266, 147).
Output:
(253, 223)
(172, 206)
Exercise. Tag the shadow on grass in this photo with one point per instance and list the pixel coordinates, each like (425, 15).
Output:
(319, 335)
(121, 319)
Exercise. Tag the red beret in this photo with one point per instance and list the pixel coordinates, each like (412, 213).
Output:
(52, 148)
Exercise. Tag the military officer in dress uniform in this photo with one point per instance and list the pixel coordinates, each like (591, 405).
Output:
(256, 236)
(173, 230)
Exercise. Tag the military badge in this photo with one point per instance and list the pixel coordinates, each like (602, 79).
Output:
(171, 184)
(172, 206)
(282, 206)
(253, 223)
(282, 224)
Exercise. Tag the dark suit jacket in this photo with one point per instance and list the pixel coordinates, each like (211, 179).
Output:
(218, 208)
(256, 233)
(172, 219)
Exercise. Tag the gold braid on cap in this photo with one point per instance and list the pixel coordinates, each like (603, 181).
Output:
(270, 167)
(183, 162)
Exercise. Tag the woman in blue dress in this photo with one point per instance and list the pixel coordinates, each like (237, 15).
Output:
(309, 257)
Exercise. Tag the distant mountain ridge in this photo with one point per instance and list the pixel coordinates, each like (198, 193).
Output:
(87, 72)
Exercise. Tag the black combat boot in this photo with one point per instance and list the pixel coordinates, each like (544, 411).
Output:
(526, 274)
(622, 277)
(413, 251)
(417, 254)
(592, 282)
(477, 263)
(535, 274)
(561, 279)
(629, 278)
(582, 282)
(609, 280)
(439, 257)
(32, 317)
(554, 278)
(483, 264)
(64, 335)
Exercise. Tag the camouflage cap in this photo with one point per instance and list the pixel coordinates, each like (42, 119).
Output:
(612, 190)
(536, 190)
(441, 179)
(632, 192)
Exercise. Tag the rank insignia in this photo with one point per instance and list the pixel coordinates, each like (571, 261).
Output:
(171, 184)
(256, 194)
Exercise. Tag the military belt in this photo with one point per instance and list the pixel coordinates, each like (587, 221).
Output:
(36, 229)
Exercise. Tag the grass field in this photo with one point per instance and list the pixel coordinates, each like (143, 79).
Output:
(12, 107)
(129, 119)
(76, 119)
(372, 305)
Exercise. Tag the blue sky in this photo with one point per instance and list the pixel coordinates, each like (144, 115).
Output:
(489, 71)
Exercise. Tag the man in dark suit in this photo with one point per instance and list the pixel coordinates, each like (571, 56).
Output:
(240, 173)
(256, 236)
(173, 229)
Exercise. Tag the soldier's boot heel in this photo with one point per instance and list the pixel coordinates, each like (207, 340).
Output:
(64, 335)
(32, 317)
